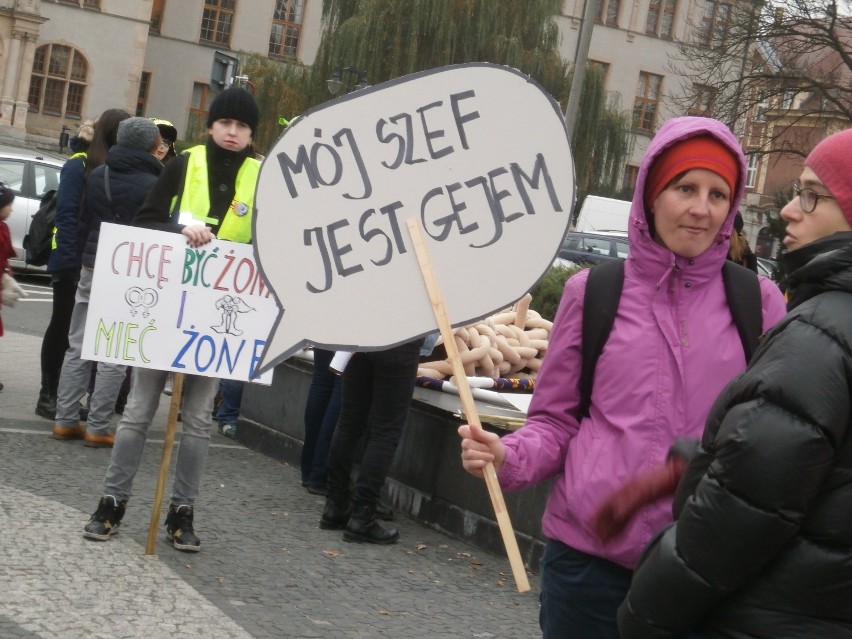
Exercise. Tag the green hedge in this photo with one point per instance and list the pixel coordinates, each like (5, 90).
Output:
(548, 290)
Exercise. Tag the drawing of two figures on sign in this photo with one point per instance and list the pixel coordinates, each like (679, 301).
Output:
(230, 307)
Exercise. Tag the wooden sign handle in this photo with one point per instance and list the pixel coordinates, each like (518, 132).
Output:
(171, 426)
(468, 404)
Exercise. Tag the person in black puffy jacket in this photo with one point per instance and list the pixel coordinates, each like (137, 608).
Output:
(762, 542)
(130, 171)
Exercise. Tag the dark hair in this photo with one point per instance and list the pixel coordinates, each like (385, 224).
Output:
(106, 129)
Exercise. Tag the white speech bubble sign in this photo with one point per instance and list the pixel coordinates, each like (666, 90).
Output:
(478, 153)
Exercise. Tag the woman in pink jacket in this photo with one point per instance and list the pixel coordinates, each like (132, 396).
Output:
(672, 349)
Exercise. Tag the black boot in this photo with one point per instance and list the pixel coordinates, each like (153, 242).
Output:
(335, 514)
(384, 511)
(364, 527)
(46, 404)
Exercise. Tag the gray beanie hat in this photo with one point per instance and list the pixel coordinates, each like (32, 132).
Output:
(137, 133)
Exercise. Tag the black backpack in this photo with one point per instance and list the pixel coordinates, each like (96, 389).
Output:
(39, 239)
(600, 305)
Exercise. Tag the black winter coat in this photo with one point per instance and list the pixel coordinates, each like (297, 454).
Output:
(132, 173)
(762, 545)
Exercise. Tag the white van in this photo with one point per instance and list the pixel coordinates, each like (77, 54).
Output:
(603, 214)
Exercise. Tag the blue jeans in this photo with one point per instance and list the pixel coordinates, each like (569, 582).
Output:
(377, 391)
(580, 594)
(232, 398)
(321, 412)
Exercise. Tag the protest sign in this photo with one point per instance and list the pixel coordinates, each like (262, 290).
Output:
(477, 153)
(157, 303)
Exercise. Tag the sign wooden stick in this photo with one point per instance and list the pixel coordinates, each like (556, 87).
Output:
(171, 425)
(468, 404)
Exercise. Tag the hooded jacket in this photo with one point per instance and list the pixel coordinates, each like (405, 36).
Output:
(763, 542)
(672, 349)
(132, 174)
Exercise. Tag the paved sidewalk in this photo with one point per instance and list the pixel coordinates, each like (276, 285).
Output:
(266, 569)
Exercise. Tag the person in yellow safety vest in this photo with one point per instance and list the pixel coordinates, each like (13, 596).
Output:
(206, 192)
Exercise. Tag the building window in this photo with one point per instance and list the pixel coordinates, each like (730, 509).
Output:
(608, 12)
(704, 98)
(600, 69)
(660, 20)
(196, 127)
(286, 27)
(647, 101)
(751, 171)
(217, 20)
(667, 23)
(89, 4)
(142, 98)
(715, 23)
(760, 108)
(631, 172)
(58, 81)
(787, 100)
(157, 10)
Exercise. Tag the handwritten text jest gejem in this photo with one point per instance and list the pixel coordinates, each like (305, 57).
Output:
(478, 206)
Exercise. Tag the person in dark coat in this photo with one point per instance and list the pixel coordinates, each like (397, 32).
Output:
(762, 542)
(131, 170)
(90, 146)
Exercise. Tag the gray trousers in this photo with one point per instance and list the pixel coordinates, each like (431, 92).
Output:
(74, 378)
(146, 389)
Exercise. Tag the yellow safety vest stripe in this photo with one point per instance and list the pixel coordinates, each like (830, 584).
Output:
(236, 224)
(82, 154)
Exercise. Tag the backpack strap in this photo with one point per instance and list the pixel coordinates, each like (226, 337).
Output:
(742, 288)
(600, 305)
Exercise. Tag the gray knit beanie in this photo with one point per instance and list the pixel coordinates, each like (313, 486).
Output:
(137, 133)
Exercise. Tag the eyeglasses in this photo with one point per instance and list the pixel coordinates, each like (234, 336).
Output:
(165, 144)
(808, 198)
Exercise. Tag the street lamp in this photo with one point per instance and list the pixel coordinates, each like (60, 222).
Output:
(343, 76)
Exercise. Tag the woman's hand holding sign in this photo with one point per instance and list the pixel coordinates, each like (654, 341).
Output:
(197, 234)
(480, 447)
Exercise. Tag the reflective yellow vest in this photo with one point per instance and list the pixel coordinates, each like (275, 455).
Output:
(81, 154)
(195, 201)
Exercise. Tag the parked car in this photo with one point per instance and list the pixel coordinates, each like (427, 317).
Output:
(30, 174)
(766, 267)
(593, 248)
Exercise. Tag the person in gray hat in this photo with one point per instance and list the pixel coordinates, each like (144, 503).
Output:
(178, 203)
(131, 170)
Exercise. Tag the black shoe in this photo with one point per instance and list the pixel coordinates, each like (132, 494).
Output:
(179, 529)
(46, 406)
(46, 403)
(384, 511)
(322, 491)
(106, 520)
(334, 515)
(363, 527)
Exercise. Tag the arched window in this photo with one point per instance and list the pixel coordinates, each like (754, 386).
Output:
(58, 82)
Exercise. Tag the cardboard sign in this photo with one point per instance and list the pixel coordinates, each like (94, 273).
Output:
(157, 303)
(477, 153)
